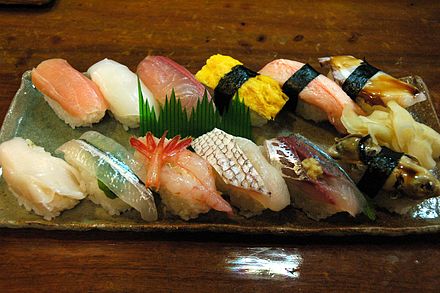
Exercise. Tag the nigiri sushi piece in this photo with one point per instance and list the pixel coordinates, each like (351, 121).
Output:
(252, 184)
(162, 75)
(227, 77)
(74, 98)
(317, 184)
(183, 179)
(311, 95)
(119, 86)
(44, 184)
(368, 85)
(105, 167)
(380, 168)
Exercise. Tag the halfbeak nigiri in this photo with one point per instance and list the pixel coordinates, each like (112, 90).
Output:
(161, 75)
(368, 85)
(242, 172)
(75, 99)
(317, 184)
(319, 97)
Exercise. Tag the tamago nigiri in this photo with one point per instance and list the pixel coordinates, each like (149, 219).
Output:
(75, 99)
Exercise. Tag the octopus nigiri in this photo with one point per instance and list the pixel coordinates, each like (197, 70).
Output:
(183, 179)
(75, 99)
(162, 75)
(319, 97)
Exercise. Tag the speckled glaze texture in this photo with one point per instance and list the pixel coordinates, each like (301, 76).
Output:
(30, 117)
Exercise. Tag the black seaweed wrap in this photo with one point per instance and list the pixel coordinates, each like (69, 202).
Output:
(358, 78)
(296, 83)
(379, 168)
(229, 85)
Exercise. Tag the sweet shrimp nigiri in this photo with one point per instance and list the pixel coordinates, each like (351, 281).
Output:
(162, 75)
(319, 97)
(183, 179)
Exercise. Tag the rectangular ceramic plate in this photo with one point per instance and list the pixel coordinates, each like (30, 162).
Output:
(30, 117)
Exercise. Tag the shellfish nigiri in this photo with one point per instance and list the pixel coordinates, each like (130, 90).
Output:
(243, 173)
(75, 99)
(162, 75)
(318, 185)
(368, 85)
(119, 85)
(183, 179)
(42, 183)
(311, 95)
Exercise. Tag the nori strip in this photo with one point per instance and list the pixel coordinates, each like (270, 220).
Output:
(379, 168)
(296, 83)
(358, 78)
(229, 85)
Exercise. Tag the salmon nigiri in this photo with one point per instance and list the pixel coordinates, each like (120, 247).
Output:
(161, 75)
(319, 97)
(73, 97)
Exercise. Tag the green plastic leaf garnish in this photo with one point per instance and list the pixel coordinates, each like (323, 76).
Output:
(110, 194)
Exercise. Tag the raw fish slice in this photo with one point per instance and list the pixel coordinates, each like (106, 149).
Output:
(161, 75)
(318, 185)
(321, 93)
(42, 183)
(120, 89)
(99, 166)
(380, 87)
(242, 172)
(73, 97)
(183, 179)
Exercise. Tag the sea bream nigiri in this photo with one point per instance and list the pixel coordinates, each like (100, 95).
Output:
(368, 85)
(319, 97)
(162, 75)
(183, 179)
(318, 185)
(243, 173)
(75, 99)
(40, 182)
(119, 86)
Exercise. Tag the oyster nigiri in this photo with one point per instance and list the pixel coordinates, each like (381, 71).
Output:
(243, 173)
(318, 185)
(368, 85)
(42, 183)
(183, 179)
(75, 99)
(119, 86)
(319, 97)
(105, 167)
(162, 75)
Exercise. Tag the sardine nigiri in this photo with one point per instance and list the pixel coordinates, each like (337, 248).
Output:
(321, 92)
(73, 97)
(161, 75)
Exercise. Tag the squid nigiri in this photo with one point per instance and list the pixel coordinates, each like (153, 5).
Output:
(162, 75)
(119, 86)
(368, 85)
(75, 99)
(183, 179)
(42, 183)
(319, 98)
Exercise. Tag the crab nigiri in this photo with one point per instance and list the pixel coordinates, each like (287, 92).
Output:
(75, 99)
(318, 185)
(42, 183)
(162, 75)
(119, 86)
(242, 172)
(319, 97)
(368, 85)
(183, 179)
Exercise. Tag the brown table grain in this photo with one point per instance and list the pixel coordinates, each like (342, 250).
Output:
(402, 37)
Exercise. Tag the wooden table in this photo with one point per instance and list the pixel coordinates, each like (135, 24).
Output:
(401, 37)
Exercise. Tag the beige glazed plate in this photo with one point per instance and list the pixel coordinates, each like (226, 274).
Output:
(30, 117)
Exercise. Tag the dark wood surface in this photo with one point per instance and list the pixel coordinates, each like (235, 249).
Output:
(401, 37)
